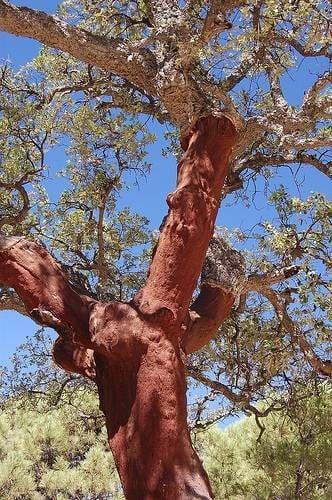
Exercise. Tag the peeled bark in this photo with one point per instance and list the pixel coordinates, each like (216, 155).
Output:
(222, 275)
(142, 392)
(134, 351)
(39, 281)
(188, 229)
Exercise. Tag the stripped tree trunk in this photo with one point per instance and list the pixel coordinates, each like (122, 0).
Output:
(135, 351)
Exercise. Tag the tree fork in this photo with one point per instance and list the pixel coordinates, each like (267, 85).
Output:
(143, 392)
(133, 350)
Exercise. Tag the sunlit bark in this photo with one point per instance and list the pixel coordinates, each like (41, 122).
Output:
(133, 351)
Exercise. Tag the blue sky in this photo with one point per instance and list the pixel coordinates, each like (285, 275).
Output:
(149, 197)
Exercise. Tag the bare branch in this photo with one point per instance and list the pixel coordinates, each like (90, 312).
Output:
(325, 168)
(322, 367)
(259, 160)
(12, 220)
(312, 94)
(259, 282)
(240, 399)
(135, 64)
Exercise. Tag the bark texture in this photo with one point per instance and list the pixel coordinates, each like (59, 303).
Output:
(193, 207)
(112, 54)
(134, 351)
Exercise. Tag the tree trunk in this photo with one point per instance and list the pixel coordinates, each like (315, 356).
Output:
(133, 350)
(141, 381)
(143, 397)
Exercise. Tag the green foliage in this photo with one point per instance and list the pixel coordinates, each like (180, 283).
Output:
(60, 452)
(291, 459)
(253, 353)
(103, 246)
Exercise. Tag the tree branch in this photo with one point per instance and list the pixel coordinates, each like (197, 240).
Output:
(322, 367)
(135, 64)
(193, 206)
(259, 160)
(12, 220)
(301, 49)
(41, 285)
(74, 358)
(294, 141)
(259, 282)
(275, 86)
(215, 21)
(310, 97)
(212, 306)
(240, 71)
(10, 301)
(222, 276)
(217, 296)
(102, 264)
(241, 400)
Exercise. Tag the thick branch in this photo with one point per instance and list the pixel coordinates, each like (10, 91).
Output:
(41, 285)
(323, 367)
(239, 72)
(222, 277)
(212, 306)
(259, 282)
(193, 207)
(136, 65)
(275, 86)
(312, 94)
(215, 21)
(74, 358)
(69, 356)
(223, 281)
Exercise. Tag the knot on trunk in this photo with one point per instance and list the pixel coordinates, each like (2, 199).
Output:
(224, 267)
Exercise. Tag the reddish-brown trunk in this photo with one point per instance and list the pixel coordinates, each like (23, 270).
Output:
(193, 207)
(143, 397)
(133, 351)
(142, 387)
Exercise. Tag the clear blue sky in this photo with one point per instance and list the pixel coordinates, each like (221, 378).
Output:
(149, 198)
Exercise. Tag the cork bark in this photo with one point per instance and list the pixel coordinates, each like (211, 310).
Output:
(135, 352)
